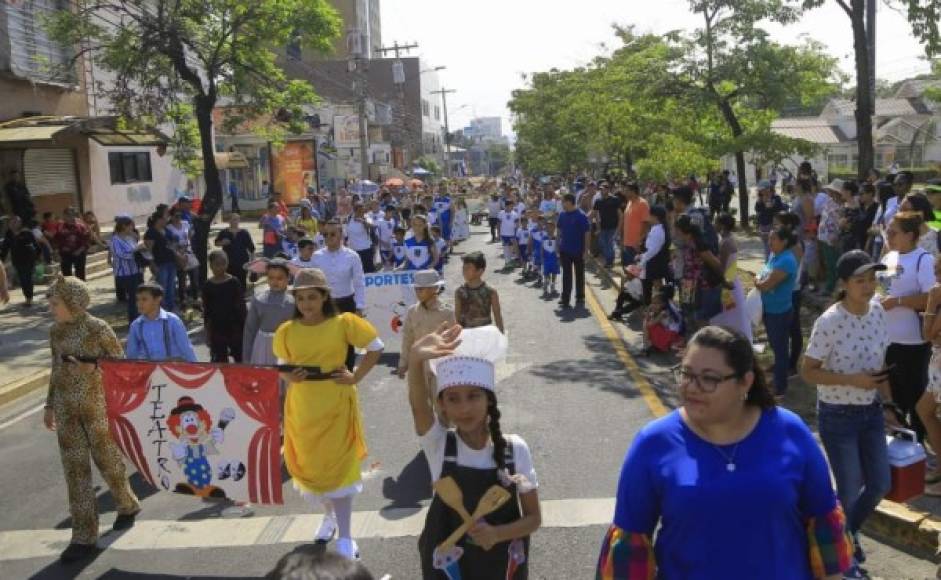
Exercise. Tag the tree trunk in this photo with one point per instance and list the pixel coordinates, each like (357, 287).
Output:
(864, 94)
(730, 117)
(212, 199)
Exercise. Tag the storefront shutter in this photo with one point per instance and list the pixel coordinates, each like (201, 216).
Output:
(50, 171)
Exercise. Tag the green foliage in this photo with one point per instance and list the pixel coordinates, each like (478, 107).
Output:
(428, 163)
(174, 61)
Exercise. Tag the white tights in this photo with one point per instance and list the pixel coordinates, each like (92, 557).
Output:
(342, 509)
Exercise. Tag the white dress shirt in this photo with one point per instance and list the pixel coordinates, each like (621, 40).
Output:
(357, 234)
(656, 237)
(344, 272)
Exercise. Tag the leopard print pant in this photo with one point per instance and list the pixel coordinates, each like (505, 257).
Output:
(78, 401)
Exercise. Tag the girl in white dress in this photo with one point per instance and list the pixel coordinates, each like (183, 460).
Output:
(461, 228)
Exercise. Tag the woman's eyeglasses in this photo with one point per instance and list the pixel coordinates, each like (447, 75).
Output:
(706, 382)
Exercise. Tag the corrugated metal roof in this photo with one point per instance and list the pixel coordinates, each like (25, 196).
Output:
(813, 129)
(34, 133)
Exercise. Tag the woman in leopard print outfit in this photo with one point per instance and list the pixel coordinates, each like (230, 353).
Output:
(75, 409)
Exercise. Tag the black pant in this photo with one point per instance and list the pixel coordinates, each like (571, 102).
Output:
(368, 258)
(24, 273)
(347, 304)
(797, 337)
(240, 274)
(68, 261)
(568, 262)
(128, 286)
(908, 379)
(494, 224)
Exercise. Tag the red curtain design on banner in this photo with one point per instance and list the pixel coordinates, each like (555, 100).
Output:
(188, 375)
(255, 390)
(126, 387)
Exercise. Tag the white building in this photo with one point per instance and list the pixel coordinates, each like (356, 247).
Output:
(906, 130)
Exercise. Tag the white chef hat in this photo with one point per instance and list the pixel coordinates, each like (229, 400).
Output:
(474, 362)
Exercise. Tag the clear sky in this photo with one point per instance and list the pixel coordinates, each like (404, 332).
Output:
(487, 44)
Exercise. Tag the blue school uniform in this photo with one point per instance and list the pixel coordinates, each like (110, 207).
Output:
(418, 254)
(442, 206)
(399, 252)
(522, 238)
(550, 260)
(537, 236)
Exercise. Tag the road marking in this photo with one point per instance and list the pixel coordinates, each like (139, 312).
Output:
(647, 391)
(272, 530)
(21, 416)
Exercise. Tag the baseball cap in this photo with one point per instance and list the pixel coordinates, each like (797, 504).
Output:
(855, 263)
(764, 184)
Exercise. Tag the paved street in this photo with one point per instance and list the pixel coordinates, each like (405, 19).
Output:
(564, 387)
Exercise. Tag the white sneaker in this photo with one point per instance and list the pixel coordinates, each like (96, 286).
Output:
(328, 527)
(347, 548)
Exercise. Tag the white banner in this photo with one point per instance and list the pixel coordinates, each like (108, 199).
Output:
(388, 296)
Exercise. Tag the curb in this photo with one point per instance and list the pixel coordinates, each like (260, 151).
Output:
(897, 524)
(20, 388)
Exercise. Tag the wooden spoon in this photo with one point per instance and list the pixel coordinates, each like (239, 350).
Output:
(449, 492)
(491, 501)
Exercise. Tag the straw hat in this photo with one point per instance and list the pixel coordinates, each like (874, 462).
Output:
(308, 278)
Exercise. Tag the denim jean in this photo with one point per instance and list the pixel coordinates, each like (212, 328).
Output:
(166, 277)
(606, 241)
(854, 439)
(778, 327)
(128, 286)
(628, 255)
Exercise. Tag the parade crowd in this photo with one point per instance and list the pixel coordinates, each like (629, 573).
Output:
(729, 485)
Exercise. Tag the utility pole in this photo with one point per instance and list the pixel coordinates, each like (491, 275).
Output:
(397, 48)
(359, 63)
(447, 131)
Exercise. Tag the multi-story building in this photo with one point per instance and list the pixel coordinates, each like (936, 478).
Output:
(57, 132)
(362, 22)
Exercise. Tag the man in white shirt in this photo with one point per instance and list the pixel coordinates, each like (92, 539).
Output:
(494, 206)
(344, 271)
(359, 237)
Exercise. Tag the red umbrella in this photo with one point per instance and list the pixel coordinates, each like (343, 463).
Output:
(394, 182)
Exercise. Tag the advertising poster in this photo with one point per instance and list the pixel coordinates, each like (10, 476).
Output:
(295, 168)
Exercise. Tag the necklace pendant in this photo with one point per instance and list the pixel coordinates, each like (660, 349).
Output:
(730, 467)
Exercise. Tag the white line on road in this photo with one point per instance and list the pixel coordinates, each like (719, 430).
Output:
(21, 416)
(271, 530)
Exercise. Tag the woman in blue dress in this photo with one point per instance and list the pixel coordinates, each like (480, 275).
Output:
(734, 486)
(420, 250)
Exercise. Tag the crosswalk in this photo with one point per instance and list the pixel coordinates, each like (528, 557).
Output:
(272, 530)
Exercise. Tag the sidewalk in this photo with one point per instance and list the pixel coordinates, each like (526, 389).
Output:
(24, 333)
(915, 525)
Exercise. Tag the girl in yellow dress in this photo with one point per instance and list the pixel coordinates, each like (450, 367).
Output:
(324, 442)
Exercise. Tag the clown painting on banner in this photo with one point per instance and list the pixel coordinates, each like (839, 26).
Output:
(205, 430)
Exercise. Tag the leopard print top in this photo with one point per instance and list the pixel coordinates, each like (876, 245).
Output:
(85, 336)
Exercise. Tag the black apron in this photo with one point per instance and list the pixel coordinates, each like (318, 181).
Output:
(476, 563)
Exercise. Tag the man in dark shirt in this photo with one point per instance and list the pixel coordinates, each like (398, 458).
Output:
(72, 241)
(574, 233)
(18, 199)
(607, 213)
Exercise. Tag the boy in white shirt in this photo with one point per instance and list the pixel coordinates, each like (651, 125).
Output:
(508, 223)
(305, 253)
(385, 229)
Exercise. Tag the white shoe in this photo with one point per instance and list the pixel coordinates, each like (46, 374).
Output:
(347, 548)
(328, 527)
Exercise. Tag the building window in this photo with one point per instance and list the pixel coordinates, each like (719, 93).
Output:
(33, 55)
(129, 167)
(425, 109)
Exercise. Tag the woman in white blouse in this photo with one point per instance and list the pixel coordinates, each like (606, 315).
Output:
(928, 237)
(655, 261)
(846, 360)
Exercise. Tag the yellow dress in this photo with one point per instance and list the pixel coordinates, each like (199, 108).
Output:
(324, 443)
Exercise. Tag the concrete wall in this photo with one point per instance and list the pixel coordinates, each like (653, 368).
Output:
(137, 199)
(22, 96)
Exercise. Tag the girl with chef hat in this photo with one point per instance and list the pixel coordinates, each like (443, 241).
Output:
(475, 454)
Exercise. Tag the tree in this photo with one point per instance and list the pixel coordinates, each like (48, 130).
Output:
(731, 63)
(923, 15)
(176, 60)
(429, 164)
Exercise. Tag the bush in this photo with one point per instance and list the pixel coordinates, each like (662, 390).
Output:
(922, 174)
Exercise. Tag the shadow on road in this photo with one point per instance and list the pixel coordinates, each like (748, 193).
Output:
(118, 574)
(409, 488)
(139, 485)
